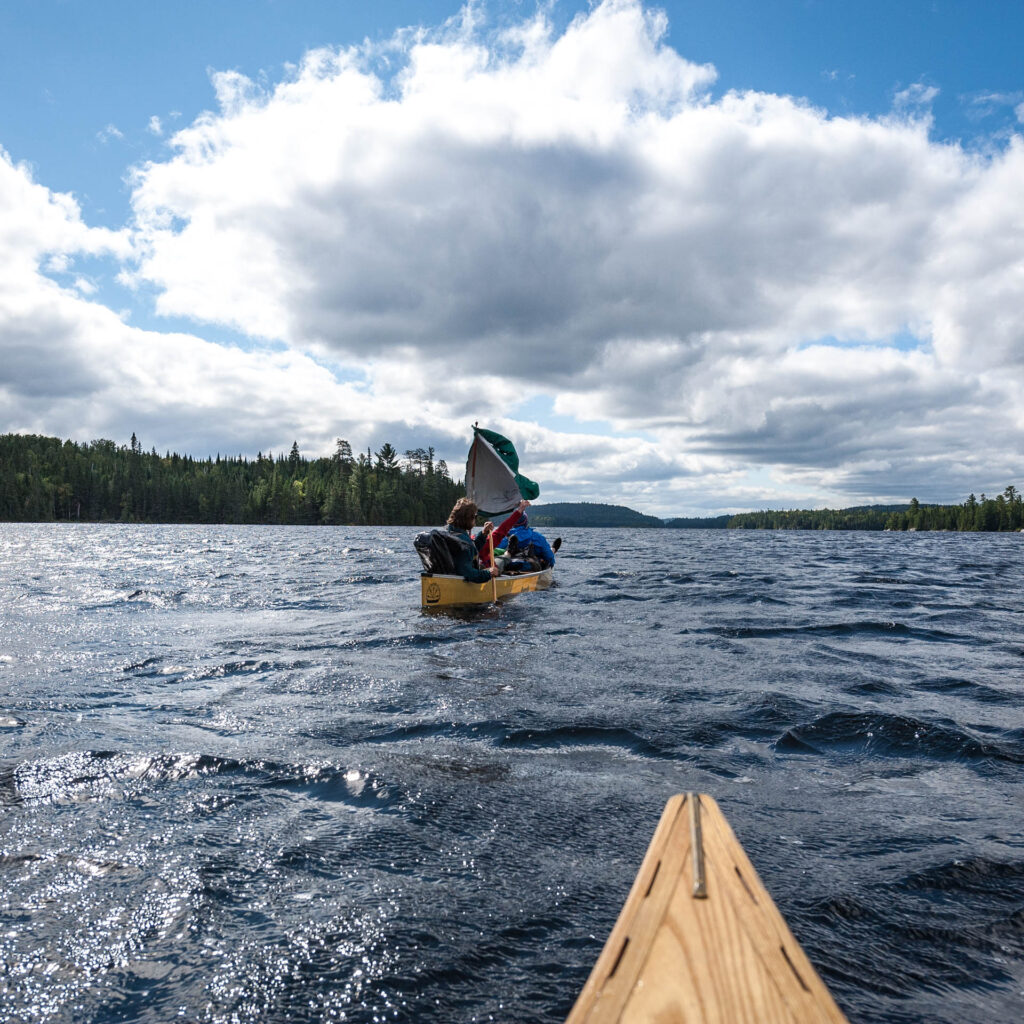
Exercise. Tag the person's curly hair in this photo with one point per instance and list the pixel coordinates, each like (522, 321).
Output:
(463, 516)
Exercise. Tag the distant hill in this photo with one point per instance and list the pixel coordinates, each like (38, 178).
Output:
(585, 513)
(1005, 512)
(710, 523)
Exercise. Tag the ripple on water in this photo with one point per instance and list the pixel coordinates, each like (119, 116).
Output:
(245, 778)
(853, 733)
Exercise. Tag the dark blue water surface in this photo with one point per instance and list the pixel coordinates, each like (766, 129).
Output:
(244, 778)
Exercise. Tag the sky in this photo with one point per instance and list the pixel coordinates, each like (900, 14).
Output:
(691, 257)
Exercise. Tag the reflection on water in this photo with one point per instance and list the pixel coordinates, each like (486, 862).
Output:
(243, 777)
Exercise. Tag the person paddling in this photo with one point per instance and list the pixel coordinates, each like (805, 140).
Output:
(461, 520)
(516, 518)
(528, 550)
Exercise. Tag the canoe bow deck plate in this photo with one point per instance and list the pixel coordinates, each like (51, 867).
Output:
(699, 939)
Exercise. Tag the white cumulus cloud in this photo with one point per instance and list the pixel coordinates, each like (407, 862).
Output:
(761, 300)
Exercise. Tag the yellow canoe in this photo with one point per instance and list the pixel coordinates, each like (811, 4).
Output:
(437, 591)
(699, 939)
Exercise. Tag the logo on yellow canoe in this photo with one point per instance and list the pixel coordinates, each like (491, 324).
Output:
(433, 593)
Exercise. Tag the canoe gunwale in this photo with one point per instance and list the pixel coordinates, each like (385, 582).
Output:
(507, 576)
(442, 590)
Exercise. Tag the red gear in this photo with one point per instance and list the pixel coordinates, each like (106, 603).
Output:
(499, 534)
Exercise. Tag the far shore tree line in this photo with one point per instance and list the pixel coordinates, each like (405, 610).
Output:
(45, 479)
(1003, 513)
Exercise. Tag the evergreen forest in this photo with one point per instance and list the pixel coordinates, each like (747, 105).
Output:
(1005, 512)
(43, 479)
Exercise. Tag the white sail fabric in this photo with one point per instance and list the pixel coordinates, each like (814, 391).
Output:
(490, 483)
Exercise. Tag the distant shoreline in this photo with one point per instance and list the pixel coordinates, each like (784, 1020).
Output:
(45, 479)
(1003, 514)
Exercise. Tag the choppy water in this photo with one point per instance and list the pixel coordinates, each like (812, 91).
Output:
(244, 778)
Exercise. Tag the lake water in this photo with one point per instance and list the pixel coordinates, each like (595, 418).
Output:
(244, 778)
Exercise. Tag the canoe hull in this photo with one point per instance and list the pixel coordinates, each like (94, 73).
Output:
(700, 940)
(439, 591)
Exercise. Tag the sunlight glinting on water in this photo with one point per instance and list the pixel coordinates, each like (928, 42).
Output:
(244, 778)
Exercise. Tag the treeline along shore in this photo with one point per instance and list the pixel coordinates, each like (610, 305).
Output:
(1003, 513)
(45, 479)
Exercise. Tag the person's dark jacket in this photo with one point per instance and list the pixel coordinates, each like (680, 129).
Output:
(465, 563)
